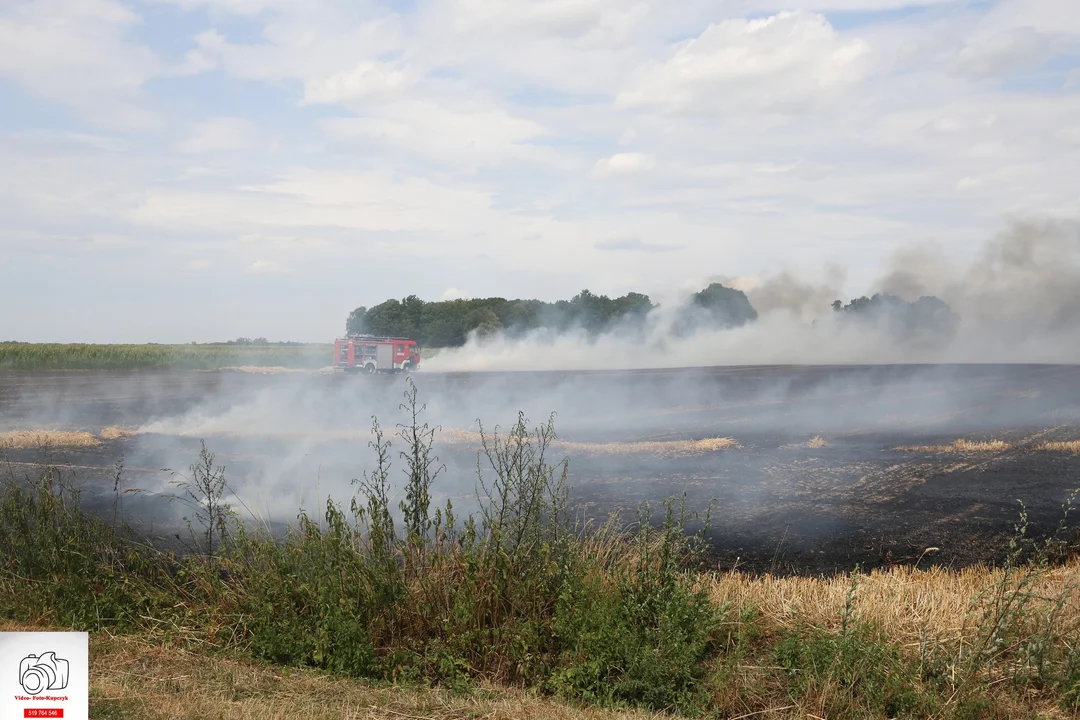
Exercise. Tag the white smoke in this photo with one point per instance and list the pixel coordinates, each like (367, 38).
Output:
(1018, 301)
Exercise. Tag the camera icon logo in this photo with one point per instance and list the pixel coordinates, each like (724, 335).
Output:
(38, 673)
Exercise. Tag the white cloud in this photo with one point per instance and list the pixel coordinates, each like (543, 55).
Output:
(1057, 17)
(302, 197)
(306, 42)
(634, 244)
(1002, 53)
(77, 52)
(469, 136)
(575, 46)
(360, 82)
(235, 7)
(867, 6)
(286, 244)
(267, 267)
(451, 294)
(217, 135)
(787, 62)
(623, 163)
(576, 20)
(564, 17)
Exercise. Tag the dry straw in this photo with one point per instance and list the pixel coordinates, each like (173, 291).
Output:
(960, 446)
(117, 433)
(25, 439)
(1072, 446)
(902, 602)
(450, 436)
(456, 436)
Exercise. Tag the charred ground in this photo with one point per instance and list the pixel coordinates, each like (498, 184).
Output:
(882, 483)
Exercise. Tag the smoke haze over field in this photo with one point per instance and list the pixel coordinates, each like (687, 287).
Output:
(1018, 301)
(293, 440)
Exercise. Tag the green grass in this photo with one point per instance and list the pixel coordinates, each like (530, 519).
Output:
(52, 356)
(517, 593)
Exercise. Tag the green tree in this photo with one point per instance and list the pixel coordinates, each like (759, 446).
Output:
(728, 305)
(716, 306)
(484, 321)
(518, 315)
(387, 318)
(356, 323)
(412, 308)
(444, 324)
(928, 322)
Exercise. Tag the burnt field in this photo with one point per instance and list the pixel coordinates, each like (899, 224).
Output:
(814, 469)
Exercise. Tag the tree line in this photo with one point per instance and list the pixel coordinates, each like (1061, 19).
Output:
(928, 321)
(448, 323)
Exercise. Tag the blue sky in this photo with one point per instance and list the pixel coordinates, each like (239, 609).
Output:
(177, 170)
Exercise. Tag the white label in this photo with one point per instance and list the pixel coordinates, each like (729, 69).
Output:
(44, 675)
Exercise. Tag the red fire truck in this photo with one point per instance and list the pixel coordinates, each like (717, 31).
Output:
(371, 354)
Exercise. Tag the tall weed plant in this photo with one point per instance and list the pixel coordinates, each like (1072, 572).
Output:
(517, 592)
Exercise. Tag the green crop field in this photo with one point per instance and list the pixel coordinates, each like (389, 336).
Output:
(29, 357)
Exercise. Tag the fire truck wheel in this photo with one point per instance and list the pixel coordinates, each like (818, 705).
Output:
(369, 369)
(406, 367)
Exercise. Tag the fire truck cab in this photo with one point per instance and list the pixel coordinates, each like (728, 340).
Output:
(371, 354)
